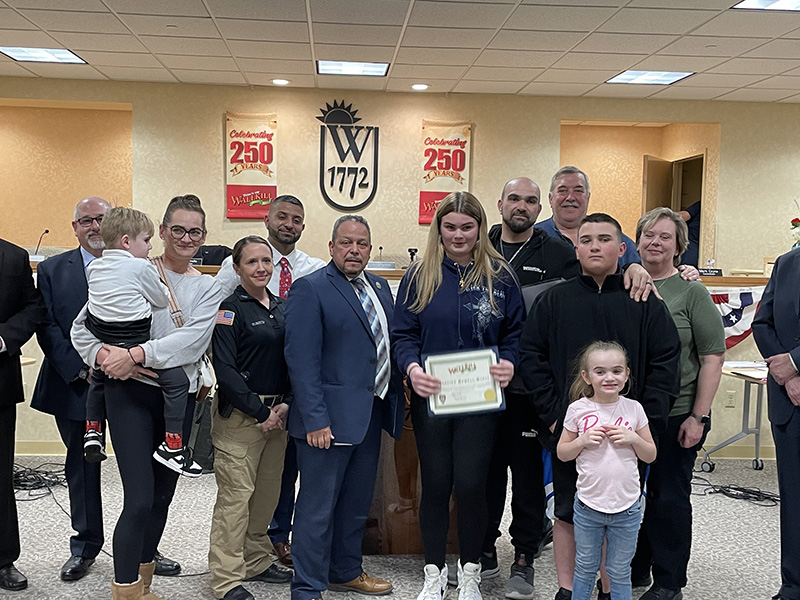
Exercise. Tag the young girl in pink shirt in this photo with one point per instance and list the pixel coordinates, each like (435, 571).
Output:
(605, 433)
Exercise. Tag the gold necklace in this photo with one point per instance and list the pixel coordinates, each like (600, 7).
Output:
(461, 275)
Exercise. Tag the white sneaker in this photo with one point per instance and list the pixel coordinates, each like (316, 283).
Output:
(469, 582)
(435, 584)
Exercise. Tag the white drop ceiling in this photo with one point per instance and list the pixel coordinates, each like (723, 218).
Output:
(528, 47)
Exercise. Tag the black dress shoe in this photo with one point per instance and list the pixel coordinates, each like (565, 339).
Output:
(75, 568)
(165, 566)
(275, 573)
(11, 579)
(238, 593)
(658, 592)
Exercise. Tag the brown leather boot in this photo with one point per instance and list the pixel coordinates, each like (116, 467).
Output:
(126, 591)
(146, 575)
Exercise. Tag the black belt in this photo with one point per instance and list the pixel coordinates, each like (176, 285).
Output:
(270, 401)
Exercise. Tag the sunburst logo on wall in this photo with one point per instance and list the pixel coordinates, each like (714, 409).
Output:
(348, 158)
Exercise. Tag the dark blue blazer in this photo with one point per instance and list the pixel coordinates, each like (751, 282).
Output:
(21, 311)
(62, 282)
(776, 328)
(331, 357)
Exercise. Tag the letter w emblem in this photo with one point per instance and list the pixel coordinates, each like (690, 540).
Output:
(351, 133)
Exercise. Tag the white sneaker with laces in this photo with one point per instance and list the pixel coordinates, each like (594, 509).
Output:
(469, 582)
(435, 586)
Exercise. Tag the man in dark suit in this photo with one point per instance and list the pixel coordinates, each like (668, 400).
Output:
(21, 311)
(776, 329)
(63, 383)
(345, 391)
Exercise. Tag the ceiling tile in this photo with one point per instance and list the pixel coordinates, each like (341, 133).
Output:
(64, 71)
(100, 42)
(780, 82)
(793, 73)
(575, 76)
(119, 59)
(653, 20)
(690, 93)
(691, 45)
(400, 84)
(715, 4)
(627, 43)
(374, 12)
(751, 23)
(502, 74)
(362, 35)
(558, 18)
(306, 81)
(446, 37)
(267, 11)
(586, 60)
(177, 45)
(755, 66)
(436, 56)
(209, 77)
(776, 49)
(791, 99)
(719, 80)
(515, 39)
(489, 87)
(270, 50)
(198, 27)
(36, 39)
(693, 64)
(83, 22)
(757, 95)
(458, 14)
(354, 53)
(89, 5)
(181, 8)
(614, 3)
(200, 63)
(516, 58)
(137, 74)
(616, 90)
(9, 68)
(556, 89)
(345, 82)
(270, 31)
(11, 19)
(422, 72)
(266, 65)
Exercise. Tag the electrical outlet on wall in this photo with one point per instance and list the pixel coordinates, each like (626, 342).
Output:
(730, 399)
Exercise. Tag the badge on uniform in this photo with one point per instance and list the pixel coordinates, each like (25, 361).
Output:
(378, 284)
(225, 317)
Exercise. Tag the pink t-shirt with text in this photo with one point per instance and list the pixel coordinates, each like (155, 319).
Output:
(608, 478)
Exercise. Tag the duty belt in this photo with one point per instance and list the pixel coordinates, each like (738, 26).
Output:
(270, 401)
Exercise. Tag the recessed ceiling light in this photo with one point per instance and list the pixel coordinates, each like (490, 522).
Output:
(280, 81)
(420, 86)
(648, 77)
(770, 4)
(337, 67)
(49, 55)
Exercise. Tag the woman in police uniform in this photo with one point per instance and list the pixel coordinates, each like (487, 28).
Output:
(248, 426)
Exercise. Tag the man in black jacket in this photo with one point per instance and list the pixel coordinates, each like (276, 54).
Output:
(21, 311)
(564, 320)
(536, 258)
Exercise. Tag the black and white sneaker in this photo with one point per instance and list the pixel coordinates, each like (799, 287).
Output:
(179, 460)
(94, 446)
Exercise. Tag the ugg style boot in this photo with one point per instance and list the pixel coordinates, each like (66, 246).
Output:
(146, 571)
(127, 591)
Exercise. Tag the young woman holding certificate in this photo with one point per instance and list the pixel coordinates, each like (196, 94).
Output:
(460, 296)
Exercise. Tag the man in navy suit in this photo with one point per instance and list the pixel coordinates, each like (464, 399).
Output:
(21, 311)
(345, 391)
(63, 383)
(776, 329)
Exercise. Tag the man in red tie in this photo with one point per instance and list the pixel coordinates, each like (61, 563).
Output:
(285, 225)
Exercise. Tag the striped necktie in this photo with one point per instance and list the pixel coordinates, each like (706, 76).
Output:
(286, 278)
(382, 370)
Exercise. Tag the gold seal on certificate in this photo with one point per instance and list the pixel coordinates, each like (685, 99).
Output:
(467, 385)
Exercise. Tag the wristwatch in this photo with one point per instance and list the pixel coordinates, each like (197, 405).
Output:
(702, 419)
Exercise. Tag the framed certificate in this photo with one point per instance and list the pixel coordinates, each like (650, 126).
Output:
(467, 385)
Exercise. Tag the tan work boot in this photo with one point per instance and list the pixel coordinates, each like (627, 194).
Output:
(146, 575)
(126, 591)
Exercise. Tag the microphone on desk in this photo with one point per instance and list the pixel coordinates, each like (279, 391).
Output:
(36, 257)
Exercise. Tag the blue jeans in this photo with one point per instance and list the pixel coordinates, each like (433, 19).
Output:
(591, 528)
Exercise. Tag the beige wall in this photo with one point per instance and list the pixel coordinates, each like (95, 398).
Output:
(52, 157)
(178, 148)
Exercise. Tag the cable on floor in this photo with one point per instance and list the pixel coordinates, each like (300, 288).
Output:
(752, 495)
